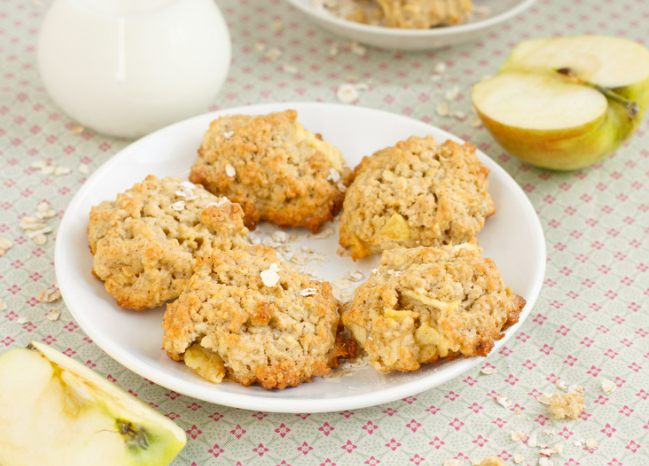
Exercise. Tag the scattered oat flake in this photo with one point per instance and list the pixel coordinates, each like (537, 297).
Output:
(440, 68)
(230, 171)
(44, 210)
(278, 25)
(454, 462)
(544, 398)
(273, 54)
(178, 206)
(459, 115)
(504, 401)
(308, 292)
(576, 389)
(561, 385)
(3, 305)
(517, 435)
(334, 49)
(228, 134)
(354, 276)
(54, 314)
(40, 239)
(260, 46)
(488, 370)
(518, 459)
(333, 175)
(270, 277)
(544, 461)
(608, 387)
(49, 295)
(531, 441)
(347, 93)
(280, 237)
(325, 233)
(452, 93)
(476, 122)
(591, 444)
(549, 432)
(62, 171)
(358, 49)
(83, 169)
(475, 461)
(22, 320)
(436, 77)
(290, 69)
(442, 109)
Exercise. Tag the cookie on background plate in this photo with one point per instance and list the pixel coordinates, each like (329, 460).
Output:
(247, 317)
(277, 170)
(425, 304)
(145, 242)
(416, 193)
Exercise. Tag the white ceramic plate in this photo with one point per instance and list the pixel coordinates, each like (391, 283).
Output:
(499, 11)
(513, 238)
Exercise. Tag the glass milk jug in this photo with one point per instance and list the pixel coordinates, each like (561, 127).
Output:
(128, 67)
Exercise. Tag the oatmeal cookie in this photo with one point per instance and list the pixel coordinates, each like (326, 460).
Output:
(145, 242)
(277, 170)
(425, 304)
(247, 317)
(424, 14)
(417, 193)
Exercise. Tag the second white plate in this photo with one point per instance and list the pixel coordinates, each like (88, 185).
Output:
(512, 237)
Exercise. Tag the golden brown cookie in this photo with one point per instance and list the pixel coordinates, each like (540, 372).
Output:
(146, 241)
(247, 317)
(277, 170)
(417, 193)
(424, 14)
(425, 304)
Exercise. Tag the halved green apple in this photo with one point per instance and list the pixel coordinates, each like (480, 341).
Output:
(57, 412)
(567, 102)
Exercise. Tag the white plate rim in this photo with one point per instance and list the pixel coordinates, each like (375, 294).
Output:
(423, 33)
(385, 395)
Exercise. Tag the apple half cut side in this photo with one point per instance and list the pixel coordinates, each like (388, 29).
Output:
(567, 102)
(56, 412)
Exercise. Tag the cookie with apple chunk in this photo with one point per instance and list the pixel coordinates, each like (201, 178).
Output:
(416, 193)
(274, 168)
(247, 317)
(421, 305)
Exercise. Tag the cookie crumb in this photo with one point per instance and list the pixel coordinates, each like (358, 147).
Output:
(488, 370)
(591, 444)
(440, 68)
(54, 314)
(5, 245)
(453, 462)
(563, 405)
(476, 122)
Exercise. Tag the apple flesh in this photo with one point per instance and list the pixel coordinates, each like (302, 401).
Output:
(567, 102)
(57, 412)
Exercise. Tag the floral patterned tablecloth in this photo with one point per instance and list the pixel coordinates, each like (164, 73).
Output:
(589, 325)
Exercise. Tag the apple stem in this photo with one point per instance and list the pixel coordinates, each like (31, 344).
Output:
(632, 108)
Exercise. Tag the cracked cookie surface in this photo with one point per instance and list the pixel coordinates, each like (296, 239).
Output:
(245, 316)
(416, 193)
(425, 304)
(145, 242)
(274, 168)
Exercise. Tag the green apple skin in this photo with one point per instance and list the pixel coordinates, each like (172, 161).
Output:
(578, 147)
(57, 412)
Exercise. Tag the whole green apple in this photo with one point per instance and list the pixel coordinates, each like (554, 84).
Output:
(568, 102)
(56, 412)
